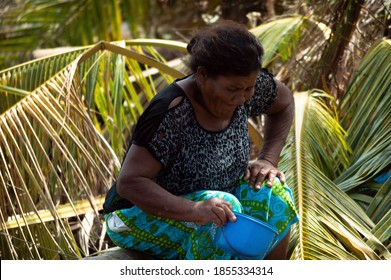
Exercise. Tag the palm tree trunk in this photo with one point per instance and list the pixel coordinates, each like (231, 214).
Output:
(237, 10)
(344, 24)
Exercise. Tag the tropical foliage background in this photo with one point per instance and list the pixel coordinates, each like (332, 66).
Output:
(66, 117)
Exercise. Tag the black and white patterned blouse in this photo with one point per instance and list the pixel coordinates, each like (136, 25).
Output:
(192, 157)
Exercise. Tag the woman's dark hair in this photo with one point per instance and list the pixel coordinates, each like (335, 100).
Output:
(227, 48)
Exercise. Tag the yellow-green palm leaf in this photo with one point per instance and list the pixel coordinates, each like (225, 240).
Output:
(366, 116)
(61, 142)
(332, 224)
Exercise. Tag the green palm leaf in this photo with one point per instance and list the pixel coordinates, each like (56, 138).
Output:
(30, 25)
(18, 81)
(120, 83)
(332, 224)
(48, 21)
(65, 121)
(52, 153)
(366, 115)
(380, 204)
(281, 36)
(48, 160)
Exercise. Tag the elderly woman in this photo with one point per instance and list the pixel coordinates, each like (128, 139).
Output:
(187, 167)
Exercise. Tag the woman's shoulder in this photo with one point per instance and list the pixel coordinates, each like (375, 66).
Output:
(165, 100)
(265, 93)
(265, 82)
(164, 97)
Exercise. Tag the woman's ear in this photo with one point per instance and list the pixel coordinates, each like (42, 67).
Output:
(201, 73)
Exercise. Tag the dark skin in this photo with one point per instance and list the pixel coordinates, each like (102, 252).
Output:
(214, 101)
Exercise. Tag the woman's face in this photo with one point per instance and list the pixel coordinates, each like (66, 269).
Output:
(223, 94)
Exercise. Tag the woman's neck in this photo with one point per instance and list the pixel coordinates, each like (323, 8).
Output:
(203, 116)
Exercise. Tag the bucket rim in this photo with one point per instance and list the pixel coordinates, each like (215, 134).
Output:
(238, 251)
(262, 223)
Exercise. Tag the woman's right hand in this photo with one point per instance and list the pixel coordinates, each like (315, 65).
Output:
(213, 210)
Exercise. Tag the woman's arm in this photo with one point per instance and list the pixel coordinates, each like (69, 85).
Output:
(278, 121)
(135, 183)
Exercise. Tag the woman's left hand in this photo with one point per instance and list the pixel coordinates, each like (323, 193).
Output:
(261, 169)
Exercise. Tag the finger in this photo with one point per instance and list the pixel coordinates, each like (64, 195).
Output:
(254, 172)
(271, 177)
(227, 204)
(229, 214)
(282, 177)
(247, 174)
(260, 179)
(251, 173)
(220, 218)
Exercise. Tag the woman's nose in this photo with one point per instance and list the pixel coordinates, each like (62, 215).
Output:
(242, 96)
(239, 98)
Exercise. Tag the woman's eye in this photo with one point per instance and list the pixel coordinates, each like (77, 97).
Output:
(238, 89)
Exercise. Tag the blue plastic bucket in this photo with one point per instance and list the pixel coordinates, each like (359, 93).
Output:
(247, 237)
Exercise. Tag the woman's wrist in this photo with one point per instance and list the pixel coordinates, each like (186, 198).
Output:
(269, 159)
(191, 210)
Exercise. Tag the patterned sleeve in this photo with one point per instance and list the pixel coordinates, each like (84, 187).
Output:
(152, 134)
(161, 145)
(154, 130)
(265, 93)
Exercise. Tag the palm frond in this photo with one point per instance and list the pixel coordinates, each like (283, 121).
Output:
(118, 83)
(49, 160)
(366, 116)
(382, 230)
(380, 203)
(332, 224)
(30, 25)
(55, 150)
(18, 81)
(61, 21)
(281, 36)
(65, 121)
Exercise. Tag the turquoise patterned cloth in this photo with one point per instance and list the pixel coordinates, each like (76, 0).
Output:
(171, 239)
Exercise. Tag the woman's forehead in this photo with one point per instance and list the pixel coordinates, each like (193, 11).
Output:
(239, 80)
